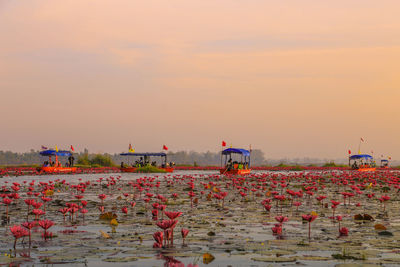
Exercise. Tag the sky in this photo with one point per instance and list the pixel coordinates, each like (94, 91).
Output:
(293, 78)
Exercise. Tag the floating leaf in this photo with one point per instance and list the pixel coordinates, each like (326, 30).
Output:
(114, 222)
(380, 227)
(385, 233)
(358, 217)
(105, 235)
(49, 192)
(208, 258)
(313, 213)
(108, 216)
(368, 217)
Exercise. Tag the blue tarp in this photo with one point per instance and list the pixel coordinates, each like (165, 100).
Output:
(228, 151)
(144, 154)
(52, 152)
(361, 156)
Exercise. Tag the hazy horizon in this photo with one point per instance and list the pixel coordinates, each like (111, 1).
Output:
(290, 78)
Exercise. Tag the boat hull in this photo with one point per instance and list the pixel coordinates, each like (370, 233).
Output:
(134, 169)
(235, 171)
(167, 169)
(128, 169)
(58, 169)
(366, 169)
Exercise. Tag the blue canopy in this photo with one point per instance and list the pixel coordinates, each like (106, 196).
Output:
(244, 152)
(361, 156)
(52, 152)
(384, 160)
(144, 154)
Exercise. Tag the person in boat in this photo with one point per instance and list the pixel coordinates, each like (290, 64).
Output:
(122, 164)
(52, 164)
(141, 163)
(46, 164)
(71, 161)
(354, 166)
(229, 165)
(240, 166)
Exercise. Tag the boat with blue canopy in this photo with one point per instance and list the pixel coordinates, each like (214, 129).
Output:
(55, 166)
(384, 163)
(237, 161)
(362, 162)
(144, 159)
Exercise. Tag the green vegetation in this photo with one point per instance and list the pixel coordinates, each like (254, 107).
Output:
(97, 161)
(150, 169)
(333, 164)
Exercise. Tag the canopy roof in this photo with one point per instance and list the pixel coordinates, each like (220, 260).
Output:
(144, 154)
(384, 160)
(361, 156)
(228, 151)
(52, 152)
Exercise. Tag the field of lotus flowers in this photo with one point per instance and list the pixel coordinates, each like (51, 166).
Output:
(200, 218)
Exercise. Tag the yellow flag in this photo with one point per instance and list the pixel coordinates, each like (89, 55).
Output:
(56, 148)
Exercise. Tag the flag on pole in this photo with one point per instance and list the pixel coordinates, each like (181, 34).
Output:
(349, 152)
(165, 147)
(223, 143)
(56, 148)
(389, 158)
(72, 148)
(43, 147)
(131, 149)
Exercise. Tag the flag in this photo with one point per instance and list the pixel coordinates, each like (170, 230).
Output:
(43, 147)
(362, 140)
(349, 152)
(56, 148)
(131, 149)
(165, 147)
(389, 158)
(72, 148)
(223, 143)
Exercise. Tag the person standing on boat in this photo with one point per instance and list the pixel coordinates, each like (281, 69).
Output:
(71, 160)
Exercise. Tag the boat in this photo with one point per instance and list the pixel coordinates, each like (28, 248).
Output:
(384, 164)
(56, 166)
(362, 163)
(241, 167)
(144, 161)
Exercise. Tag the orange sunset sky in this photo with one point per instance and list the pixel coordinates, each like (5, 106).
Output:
(293, 78)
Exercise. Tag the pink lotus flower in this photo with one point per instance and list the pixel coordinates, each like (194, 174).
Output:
(281, 219)
(343, 231)
(173, 214)
(184, 233)
(18, 232)
(124, 210)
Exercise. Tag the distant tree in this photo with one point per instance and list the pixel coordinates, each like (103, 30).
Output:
(102, 160)
(83, 160)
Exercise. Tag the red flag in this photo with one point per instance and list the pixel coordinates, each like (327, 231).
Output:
(223, 143)
(349, 152)
(72, 148)
(165, 147)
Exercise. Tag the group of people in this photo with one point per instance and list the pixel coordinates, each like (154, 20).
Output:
(356, 165)
(142, 162)
(234, 165)
(50, 163)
